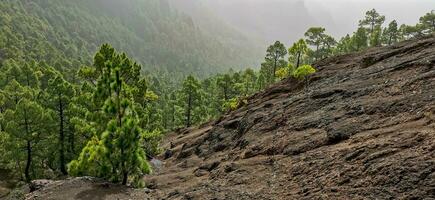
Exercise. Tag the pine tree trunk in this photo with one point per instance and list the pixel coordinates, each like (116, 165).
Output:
(61, 137)
(389, 39)
(298, 62)
(225, 93)
(173, 116)
(124, 178)
(274, 70)
(29, 161)
(120, 116)
(189, 108)
(124, 171)
(28, 148)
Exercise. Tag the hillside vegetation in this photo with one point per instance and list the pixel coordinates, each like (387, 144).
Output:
(151, 31)
(92, 88)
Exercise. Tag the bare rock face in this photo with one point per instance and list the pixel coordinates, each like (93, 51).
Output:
(364, 128)
(39, 184)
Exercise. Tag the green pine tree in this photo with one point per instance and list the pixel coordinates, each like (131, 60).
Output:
(297, 52)
(26, 125)
(315, 37)
(274, 60)
(116, 154)
(192, 98)
(390, 34)
(60, 94)
(428, 22)
(371, 20)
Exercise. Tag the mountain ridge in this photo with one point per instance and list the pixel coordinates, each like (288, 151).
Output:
(159, 37)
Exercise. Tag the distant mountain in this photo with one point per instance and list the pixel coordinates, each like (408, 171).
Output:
(266, 21)
(153, 32)
(287, 20)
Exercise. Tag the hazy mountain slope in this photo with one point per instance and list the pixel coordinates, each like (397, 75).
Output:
(363, 129)
(287, 20)
(266, 21)
(206, 15)
(158, 36)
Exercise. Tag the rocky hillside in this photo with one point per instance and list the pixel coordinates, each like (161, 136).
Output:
(364, 128)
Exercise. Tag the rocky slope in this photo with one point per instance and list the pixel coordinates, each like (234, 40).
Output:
(364, 128)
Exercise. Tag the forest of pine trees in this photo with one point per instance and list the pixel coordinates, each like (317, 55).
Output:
(64, 113)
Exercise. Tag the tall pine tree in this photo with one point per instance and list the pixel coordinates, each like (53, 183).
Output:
(192, 97)
(27, 127)
(116, 154)
(61, 92)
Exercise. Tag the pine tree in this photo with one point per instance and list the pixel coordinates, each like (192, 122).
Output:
(408, 31)
(359, 39)
(328, 44)
(315, 37)
(375, 37)
(275, 59)
(344, 45)
(323, 43)
(13, 92)
(297, 52)
(225, 83)
(250, 78)
(428, 22)
(211, 98)
(390, 34)
(192, 97)
(26, 126)
(61, 92)
(116, 154)
(261, 81)
(372, 20)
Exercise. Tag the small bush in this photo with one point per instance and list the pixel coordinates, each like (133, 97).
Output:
(235, 103)
(283, 72)
(303, 71)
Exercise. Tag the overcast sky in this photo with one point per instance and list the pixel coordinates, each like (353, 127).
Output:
(347, 12)
(288, 19)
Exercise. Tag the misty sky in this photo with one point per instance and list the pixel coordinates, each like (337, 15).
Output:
(288, 19)
(347, 12)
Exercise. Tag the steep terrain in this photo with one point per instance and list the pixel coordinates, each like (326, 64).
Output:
(65, 34)
(364, 128)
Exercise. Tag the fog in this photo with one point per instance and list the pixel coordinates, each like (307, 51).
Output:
(287, 20)
(346, 13)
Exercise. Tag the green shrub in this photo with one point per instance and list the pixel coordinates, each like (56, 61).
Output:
(303, 71)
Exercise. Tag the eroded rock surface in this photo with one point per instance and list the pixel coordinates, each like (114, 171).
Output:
(364, 129)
